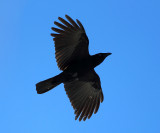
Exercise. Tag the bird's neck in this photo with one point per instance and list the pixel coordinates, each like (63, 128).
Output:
(94, 61)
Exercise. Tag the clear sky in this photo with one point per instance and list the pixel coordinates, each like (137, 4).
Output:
(130, 77)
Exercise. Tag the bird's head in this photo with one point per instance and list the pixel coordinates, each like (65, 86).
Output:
(99, 58)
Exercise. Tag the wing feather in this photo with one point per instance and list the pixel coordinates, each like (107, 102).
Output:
(84, 110)
(92, 107)
(84, 95)
(62, 27)
(88, 108)
(70, 40)
(58, 30)
(80, 24)
(66, 23)
(72, 21)
(97, 104)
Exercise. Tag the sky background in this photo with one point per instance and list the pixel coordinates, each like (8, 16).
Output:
(130, 77)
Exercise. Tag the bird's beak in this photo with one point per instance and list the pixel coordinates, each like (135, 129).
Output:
(107, 54)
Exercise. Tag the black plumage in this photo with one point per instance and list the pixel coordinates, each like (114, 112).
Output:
(81, 82)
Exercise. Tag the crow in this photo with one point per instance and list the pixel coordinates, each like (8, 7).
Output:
(81, 82)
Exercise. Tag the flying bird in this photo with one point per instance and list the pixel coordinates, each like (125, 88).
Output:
(81, 82)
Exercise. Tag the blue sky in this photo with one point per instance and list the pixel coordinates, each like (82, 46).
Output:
(130, 77)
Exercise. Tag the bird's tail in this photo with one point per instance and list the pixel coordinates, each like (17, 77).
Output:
(49, 84)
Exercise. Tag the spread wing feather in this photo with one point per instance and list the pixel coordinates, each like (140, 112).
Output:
(84, 95)
(71, 42)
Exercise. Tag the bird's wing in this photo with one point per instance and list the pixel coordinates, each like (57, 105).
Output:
(71, 42)
(85, 95)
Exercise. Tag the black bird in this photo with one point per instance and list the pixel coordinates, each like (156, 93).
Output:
(81, 82)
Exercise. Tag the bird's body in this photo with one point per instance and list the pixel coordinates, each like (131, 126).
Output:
(81, 82)
(83, 65)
